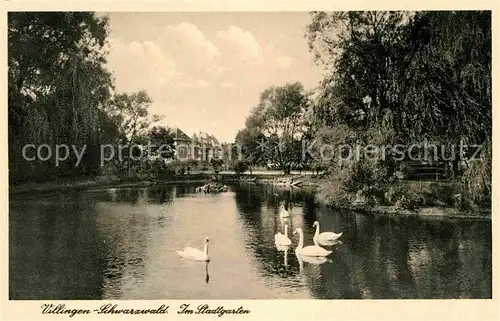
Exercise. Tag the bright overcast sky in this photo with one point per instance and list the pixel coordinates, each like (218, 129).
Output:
(205, 71)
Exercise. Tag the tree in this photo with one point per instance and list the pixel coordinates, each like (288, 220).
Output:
(216, 165)
(359, 49)
(132, 110)
(248, 140)
(240, 167)
(425, 75)
(403, 78)
(160, 136)
(443, 83)
(275, 127)
(58, 88)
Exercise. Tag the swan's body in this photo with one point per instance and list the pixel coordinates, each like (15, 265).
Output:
(282, 248)
(317, 260)
(327, 242)
(282, 239)
(312, 250)
(325, 238)
(284, 213)
(195, 254)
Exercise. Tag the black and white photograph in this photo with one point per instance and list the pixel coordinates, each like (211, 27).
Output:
(249, 155)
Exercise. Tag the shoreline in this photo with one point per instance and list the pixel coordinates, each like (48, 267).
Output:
(200, 178)
(438, 212)
(116, 181)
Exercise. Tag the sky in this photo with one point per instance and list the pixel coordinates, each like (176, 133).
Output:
(205, 71)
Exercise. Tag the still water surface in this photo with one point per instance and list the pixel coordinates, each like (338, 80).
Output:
(120, 244)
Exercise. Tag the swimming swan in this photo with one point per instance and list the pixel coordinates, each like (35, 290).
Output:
(283, 212)
(282, 239)
(324, 238)
(312, 250)
(195, 254)
(316, 260)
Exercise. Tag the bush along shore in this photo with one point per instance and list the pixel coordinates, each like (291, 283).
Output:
(357, 187)
(82, 183)
(137, 180)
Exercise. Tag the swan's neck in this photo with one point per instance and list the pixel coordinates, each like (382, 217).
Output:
(205, 250)
(317, 230)
(301, 240)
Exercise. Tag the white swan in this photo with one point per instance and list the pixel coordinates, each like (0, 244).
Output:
(282, 239)
(316, 260)
(312, 250)
(195, 254)
(283, 212)
(324, 238)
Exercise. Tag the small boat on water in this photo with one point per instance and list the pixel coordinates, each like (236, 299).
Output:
(211, 188)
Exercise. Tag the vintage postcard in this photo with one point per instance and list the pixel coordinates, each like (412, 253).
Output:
(250, 162)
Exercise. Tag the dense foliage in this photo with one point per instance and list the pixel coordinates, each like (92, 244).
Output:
(390, 78)
(60, 92)
(407, 78)
(275, 128)
(58, 88)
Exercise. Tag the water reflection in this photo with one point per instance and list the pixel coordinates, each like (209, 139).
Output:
(120, 243)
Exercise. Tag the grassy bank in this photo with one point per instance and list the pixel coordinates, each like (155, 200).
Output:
(85, 182)
(81, 183)
(425, 198)
(401, 198)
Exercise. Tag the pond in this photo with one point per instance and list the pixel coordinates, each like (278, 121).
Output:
(121, 243)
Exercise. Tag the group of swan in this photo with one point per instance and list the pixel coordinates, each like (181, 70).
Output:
(325, 238)
(280, 240)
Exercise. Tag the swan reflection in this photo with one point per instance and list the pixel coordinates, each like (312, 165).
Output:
(285, 221)
(284, 249)
(207, 277)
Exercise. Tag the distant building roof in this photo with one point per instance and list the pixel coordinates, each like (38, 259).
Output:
(206, 139)
(181, 136)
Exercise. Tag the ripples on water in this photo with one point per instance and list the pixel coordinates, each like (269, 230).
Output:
(120, 244)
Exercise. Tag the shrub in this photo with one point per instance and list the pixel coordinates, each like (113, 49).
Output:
(410, 200)
(476, 180)
(240, 167)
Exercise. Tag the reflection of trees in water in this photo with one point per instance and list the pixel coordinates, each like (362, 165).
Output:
(55, 250)
(407, 257)
(184, 189)
(261, 227)
(249, 199)
(133, 195)
(381, 256)
(160, 195)
(126, 230)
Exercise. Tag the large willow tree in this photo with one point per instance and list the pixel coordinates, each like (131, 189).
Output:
(407, 77)
(58, 88)
(427, 74)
